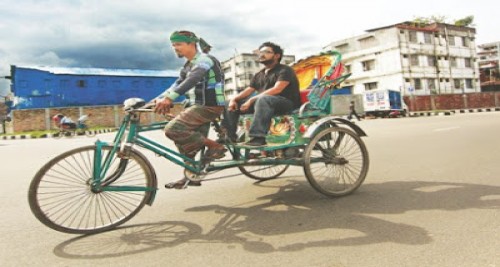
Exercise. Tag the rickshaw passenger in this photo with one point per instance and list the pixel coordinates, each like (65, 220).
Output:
(203, 72)
(277, 89)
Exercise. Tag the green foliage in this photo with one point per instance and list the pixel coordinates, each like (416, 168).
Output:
(465, 22)
(438, 19)
(423, 21)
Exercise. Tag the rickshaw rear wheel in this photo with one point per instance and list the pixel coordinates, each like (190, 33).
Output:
(336, 161)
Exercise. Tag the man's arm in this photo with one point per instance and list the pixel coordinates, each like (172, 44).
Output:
(275, 90)
(233, 103)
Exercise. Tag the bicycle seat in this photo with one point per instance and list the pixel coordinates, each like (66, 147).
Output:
(133, 103)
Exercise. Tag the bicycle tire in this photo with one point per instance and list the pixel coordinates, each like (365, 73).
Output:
(61, 198)
(263, 172)
(336, 161)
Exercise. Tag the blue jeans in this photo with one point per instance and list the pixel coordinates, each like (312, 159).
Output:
(264, 109)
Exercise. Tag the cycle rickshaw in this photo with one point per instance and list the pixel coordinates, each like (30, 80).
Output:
(95, 188)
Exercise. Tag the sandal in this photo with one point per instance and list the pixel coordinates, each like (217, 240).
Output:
(216, 153)
(182, 184)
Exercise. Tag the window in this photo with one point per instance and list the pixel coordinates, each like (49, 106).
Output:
(466, 41)
(368, 42)
(414, 60)
(431, 84)
(453, 62)
(342, 48)
(81, 83)
(468, 62)
(228, 81)
(227, 69)
(249, 64)
(427, 38)
(468, 83)
(457, 83)
(417, 83)
(347, 68)
(451, 40)
(412, 36)
(368, 65)
(371, 86)
(431, 61)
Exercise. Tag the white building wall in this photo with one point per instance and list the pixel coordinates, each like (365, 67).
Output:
(403, 60)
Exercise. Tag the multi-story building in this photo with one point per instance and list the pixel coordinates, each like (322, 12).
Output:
(489, 66)
(239, 70)
(434, 58)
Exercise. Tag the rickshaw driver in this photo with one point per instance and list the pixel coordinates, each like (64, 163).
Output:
(278, 94)
(203, 72)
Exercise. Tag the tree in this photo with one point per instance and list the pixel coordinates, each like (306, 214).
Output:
(423, 21)
(465, 22)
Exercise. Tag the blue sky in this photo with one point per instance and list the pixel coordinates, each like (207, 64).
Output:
(134, 33)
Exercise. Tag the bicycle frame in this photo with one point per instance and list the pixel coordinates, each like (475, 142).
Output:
(128, 135)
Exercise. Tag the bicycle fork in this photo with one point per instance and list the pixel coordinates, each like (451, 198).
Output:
(101, 181)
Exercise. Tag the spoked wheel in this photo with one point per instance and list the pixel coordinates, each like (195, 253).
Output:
(263, 172)
(336, 161)
(61, 196)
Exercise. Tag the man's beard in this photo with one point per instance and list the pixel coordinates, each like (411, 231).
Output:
(179, 55)
(266, 62)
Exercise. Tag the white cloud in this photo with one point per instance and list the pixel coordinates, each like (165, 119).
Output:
(134, 33)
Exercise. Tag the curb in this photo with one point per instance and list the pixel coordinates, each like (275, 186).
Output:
(26, 136)
(451, 112)
(431, 113)
(477, 110)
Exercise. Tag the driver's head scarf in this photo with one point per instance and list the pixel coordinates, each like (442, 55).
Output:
(189, 37)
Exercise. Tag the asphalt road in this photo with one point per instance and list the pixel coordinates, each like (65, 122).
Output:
(431, 198)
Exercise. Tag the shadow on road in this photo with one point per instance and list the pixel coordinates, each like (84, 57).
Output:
(300, 218)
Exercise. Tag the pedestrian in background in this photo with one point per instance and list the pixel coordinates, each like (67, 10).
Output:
(352, 111)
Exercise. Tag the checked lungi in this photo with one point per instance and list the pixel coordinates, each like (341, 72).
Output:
(190, 127)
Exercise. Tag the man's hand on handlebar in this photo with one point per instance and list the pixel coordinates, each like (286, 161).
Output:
(163, 106)
(233, 105)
